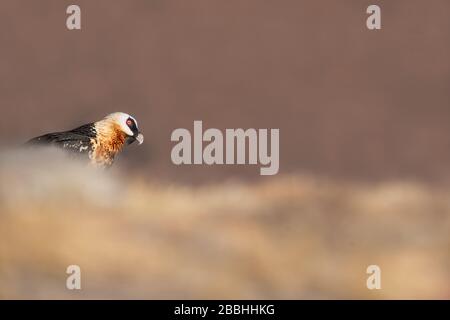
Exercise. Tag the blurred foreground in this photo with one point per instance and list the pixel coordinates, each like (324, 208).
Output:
(289, 237)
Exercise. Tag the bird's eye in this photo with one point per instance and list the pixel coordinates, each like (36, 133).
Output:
(129, 122)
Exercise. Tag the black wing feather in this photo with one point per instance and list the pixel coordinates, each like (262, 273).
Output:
(77, 140)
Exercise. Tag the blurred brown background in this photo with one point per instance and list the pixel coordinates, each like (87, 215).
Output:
(349, 102)
(365, 149)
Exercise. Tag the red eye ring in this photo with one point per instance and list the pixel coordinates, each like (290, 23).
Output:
(129, 122)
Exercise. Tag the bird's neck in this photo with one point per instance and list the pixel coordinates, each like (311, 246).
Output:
(109, 136)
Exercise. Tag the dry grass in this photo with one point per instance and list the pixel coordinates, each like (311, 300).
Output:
(288, 237)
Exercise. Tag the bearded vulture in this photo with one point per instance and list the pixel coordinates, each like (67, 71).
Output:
(99, 141)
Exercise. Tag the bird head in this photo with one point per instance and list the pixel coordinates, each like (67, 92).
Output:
(128, 125)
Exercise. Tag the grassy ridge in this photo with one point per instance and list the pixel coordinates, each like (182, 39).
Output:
(289, 237)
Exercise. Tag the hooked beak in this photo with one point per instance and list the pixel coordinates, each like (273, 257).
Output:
(139, 138)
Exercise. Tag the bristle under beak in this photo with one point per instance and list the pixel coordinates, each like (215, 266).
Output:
(140, 138)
